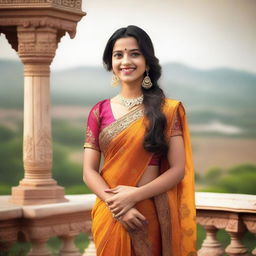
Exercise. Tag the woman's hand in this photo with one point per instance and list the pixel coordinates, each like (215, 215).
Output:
(124, 198)
(133, 220)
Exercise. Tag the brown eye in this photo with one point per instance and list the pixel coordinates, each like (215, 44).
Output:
(117, 55)
(135, 54)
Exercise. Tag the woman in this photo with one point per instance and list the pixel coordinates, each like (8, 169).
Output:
(145, 189)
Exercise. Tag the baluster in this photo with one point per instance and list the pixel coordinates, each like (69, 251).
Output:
(211, 246)
(68, 247)
(90, 250)
(254, 252)
(236, 248)
(250, 223)
(39, 247)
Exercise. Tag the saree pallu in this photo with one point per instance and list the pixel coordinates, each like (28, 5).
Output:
(171, 230)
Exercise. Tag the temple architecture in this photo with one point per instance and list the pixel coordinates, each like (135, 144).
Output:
(37, 208)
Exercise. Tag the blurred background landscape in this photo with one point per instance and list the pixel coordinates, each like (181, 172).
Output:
(220, 106)
(207, 50)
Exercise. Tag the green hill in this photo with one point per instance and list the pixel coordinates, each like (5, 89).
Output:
(222, 94)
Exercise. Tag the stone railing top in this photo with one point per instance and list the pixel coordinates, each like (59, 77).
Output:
(8, 210)
(226, 202)
(76, 203)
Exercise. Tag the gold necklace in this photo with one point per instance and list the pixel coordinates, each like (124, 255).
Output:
(130, 103)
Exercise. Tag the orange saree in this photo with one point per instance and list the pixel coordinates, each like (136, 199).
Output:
(171, 229)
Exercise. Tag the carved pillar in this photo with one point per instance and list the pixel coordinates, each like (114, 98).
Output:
(210, 246)
(36, 48)
(34, 28)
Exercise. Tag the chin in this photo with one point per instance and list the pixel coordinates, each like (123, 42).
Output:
(129, 81)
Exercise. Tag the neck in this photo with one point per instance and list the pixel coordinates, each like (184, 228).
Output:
(131, 91)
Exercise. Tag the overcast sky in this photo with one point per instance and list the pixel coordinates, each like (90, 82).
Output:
(199, 33)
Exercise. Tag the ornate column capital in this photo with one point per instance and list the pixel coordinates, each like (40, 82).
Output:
(61, 15)
(36, 48)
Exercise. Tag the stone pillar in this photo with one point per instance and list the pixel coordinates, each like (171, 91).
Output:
(34, 28)
(36, 48)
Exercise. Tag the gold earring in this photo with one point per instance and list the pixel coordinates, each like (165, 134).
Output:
(115, 81)
(146, 83)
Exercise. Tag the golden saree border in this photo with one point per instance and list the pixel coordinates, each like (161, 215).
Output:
(112, 130)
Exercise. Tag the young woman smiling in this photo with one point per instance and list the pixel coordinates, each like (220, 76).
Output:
(145, 189)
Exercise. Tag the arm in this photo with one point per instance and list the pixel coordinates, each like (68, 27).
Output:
(125, 197)
(172, 176)
(91, 175)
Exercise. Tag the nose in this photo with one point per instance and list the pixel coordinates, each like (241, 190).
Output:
(126, 59)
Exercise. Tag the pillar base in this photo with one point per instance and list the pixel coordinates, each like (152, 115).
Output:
(30, 195)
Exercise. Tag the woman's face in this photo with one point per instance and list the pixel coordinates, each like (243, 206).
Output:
(128, 63)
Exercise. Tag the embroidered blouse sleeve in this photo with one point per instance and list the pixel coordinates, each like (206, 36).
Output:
(176, 129)
(93, 129)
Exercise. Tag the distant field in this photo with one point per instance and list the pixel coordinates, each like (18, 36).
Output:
(223, 152)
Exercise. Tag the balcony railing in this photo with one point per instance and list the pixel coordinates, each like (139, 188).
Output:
(234, 213)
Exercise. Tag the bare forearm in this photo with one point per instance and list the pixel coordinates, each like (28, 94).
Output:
(161, 184)
(96, 183)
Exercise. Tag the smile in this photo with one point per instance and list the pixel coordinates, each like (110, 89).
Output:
(127, 70)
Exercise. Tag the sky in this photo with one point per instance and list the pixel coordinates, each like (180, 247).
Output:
(203, 34)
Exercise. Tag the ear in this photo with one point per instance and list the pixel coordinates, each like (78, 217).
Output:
(147, 68)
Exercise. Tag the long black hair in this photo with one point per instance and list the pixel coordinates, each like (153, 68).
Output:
(154, 140)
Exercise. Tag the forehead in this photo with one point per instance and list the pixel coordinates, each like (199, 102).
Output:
(125, 43)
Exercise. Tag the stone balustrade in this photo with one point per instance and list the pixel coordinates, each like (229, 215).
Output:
(235, 213)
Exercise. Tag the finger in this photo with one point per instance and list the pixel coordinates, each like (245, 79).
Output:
(107, 201)
(116, 212)
(123, 211)
(138, 223)
(125, 225)
(109, 190)
(131, 225)
(113, 207)
(140, 216)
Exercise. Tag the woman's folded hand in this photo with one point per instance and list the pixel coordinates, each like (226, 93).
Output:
(123, 199)
(133, 220)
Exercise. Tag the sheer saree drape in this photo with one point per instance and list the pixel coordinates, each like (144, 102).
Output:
(172, 213)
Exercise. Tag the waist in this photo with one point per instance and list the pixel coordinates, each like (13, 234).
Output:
(150, 174)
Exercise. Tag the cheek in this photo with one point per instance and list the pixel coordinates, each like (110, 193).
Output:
(114, 65)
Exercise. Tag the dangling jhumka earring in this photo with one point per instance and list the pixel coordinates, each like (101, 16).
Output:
(115, 81)
(146, 83)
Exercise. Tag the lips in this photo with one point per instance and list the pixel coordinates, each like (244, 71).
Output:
(127, 70)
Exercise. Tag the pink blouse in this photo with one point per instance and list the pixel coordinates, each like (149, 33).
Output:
(101, 116)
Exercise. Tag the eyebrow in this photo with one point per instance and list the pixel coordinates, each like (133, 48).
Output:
(136, 49)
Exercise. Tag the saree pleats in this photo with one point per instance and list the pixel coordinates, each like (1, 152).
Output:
(171, 229)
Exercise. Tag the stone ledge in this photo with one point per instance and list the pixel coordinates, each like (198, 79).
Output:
(75, 204)
(226, 202)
